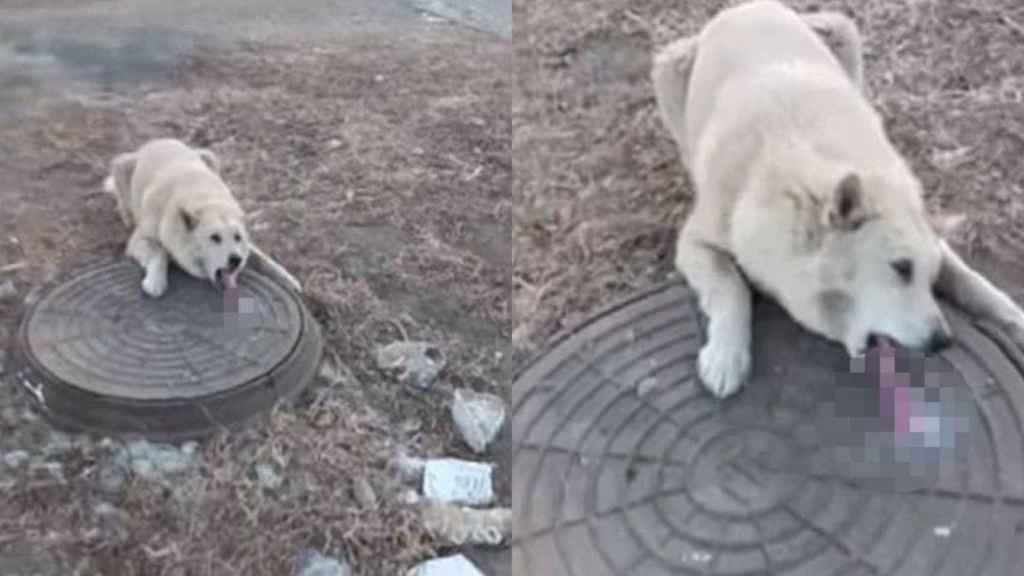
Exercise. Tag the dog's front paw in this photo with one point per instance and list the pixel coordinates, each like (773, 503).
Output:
(723, 367)
(154, 285)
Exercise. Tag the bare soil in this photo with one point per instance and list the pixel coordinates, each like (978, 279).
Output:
(378, 173)
(599, 189)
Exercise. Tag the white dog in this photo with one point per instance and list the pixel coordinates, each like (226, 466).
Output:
(179, 208)
(800, 192)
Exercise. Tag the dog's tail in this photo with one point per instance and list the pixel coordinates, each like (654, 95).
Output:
(670, 75)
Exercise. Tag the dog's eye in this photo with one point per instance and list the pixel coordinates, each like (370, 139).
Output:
(215, 238)
(904, 269)
(238, 237)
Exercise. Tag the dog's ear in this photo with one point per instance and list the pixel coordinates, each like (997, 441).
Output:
(847, 210)
(210, 159)
(188, 219)
(946, 225)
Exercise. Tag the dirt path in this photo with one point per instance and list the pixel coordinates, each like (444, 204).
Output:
(378, 171)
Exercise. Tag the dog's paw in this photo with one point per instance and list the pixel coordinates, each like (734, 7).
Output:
(154, 285)
(723, 367)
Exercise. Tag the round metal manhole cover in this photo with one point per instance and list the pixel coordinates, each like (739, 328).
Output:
(97, 355)
(622, 464)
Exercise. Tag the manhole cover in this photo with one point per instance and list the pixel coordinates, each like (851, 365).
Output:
(624, 465)
(97, 355)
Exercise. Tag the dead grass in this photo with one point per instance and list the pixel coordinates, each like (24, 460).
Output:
(600, 191)
(379, 174)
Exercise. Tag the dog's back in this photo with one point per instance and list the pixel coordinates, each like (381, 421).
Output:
(168, 167)
(748, 56)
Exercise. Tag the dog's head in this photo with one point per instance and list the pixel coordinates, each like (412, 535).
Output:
(217, 243)
(874, 272)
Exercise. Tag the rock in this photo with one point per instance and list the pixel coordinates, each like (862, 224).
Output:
(458, 482)
(417, 363)
(478, 417)
(268, 477)
(156, 461)
(15, 458)
(365, 494)
(313, 563)
(7, 290)
(448, 566)
(460, 525)
(59, 443)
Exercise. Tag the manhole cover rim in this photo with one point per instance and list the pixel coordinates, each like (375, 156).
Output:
(230, 408)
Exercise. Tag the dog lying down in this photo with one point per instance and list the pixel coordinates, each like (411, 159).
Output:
(800, 192)
(179, 208)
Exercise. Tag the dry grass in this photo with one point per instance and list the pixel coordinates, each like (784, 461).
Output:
(600, 191)
(379, 174)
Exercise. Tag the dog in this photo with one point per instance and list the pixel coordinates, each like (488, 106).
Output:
(800, 194)
(179, 209)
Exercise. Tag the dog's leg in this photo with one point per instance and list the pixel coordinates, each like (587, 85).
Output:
(841, 35)
(153, 258)
(274, 267)
(670, 75)
(724, 361)
(974, 293)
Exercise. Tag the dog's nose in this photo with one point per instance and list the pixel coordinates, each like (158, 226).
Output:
(234, 261)
(939, 340)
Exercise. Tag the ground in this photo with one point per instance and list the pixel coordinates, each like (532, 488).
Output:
(377, 170)
(600, 192)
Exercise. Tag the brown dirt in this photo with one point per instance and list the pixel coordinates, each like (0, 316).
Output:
(379, 175)
(600, 191)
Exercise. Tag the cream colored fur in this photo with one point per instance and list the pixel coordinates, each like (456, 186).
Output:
(800, 193)
(180, 209)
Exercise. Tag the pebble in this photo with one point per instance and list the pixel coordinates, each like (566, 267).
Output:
(456, 565)
(478, 417)
(16, 458)
(267, 476)
(365, 494)
(7, 290)
(458, 482)
(417, 363)
(151, 460)
(148, 460)
(313, 563)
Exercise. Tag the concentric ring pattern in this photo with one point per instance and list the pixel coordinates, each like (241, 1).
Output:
(97, 354)
(623, 465)
(100, 332)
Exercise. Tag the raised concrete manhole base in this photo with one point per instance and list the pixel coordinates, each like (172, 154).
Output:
(97, 355)
(624, 466)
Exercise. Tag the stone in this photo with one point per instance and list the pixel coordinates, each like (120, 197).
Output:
(15, 458)
(7, 290)
(458, 482)
(156, 461)
(365, 494)
(478, 417)
(417, 363)
(312, 563)
(460, 525)
(267, 476)
(456, 565)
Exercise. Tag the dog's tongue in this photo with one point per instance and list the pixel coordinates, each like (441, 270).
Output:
(231, 281)
(895, 394)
